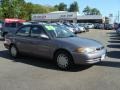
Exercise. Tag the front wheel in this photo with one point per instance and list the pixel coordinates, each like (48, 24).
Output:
(13, 51)
(64, 60)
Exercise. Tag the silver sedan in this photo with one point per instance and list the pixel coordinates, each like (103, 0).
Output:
(55, 43)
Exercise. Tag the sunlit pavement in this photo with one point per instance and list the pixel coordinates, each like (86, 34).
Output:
(26, 73)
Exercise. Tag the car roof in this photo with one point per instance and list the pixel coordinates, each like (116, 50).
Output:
(33, 25)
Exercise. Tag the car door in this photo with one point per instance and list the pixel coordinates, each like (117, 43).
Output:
(41, 46)
(23, 41)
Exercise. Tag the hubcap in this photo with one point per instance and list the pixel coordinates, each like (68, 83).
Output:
(13, 51)
(62, 61)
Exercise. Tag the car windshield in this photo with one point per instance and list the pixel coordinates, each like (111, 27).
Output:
(57, 31)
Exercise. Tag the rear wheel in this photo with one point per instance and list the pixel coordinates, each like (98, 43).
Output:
(64, 60)
(13, 51)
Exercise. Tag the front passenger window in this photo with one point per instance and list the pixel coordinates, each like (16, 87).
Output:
(36, 31)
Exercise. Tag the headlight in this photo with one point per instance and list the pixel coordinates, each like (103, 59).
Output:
(85, 50)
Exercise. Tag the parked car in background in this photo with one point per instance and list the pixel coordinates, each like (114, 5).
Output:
(55, 43)
(118, 30)
(90, 25)
(74, 28)
(116, 26)
(63, 26)
(36, 22)
(101, 26)
(96, 25)
(82, 29)
(84, 25)
(77, 28)
(10, 25)
(109, 26)
(1, 25)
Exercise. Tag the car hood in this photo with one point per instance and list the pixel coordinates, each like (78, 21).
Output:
(80, 42)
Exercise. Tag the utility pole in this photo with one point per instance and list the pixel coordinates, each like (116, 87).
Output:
(118, 16)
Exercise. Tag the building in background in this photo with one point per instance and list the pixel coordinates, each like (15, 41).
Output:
(91, 19)
(64, 16)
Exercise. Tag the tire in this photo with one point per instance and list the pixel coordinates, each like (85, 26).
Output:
(64, 60)
(13, 51)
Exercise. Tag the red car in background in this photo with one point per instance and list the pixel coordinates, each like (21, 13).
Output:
(10, 25)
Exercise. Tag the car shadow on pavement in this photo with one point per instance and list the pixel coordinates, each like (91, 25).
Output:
(114, 54)
(116, 38)
(112, 33)
(40, 62)
(118, 41)
(115, 35)
(109, 64)
(114, 46)
(1, 39)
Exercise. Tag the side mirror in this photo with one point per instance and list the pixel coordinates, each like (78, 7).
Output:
(44, 36)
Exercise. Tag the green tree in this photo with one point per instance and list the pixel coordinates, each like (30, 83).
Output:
(21, 9)
(12, 8)
(27, 11)
(56, 7)
(61, 7)
(87, 10)
(5, 8)
(95, 11)
(51, 8)
(74, 7)
(30, 9)
(91, 11)
(17, 6)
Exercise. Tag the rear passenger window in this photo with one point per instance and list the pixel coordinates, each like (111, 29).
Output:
(24, 31)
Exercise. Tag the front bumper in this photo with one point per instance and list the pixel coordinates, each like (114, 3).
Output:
(6, 44)
(90, 58)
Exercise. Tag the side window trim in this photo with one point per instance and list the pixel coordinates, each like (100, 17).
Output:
(20, 29)
(38, 27)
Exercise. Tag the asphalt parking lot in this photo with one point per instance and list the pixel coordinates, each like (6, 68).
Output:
(27, 73)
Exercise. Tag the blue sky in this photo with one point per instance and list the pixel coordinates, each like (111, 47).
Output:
(105, 6)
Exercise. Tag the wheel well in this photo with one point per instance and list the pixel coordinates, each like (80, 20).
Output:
(11, 44)
(14, 45)
(58, 50)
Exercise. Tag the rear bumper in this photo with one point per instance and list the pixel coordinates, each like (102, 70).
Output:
(89, 58)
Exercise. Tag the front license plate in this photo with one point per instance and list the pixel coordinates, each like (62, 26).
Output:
(103, 57)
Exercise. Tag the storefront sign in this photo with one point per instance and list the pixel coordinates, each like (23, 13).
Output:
(65, 15)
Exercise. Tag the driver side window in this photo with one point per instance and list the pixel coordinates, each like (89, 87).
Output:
(36, 31)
